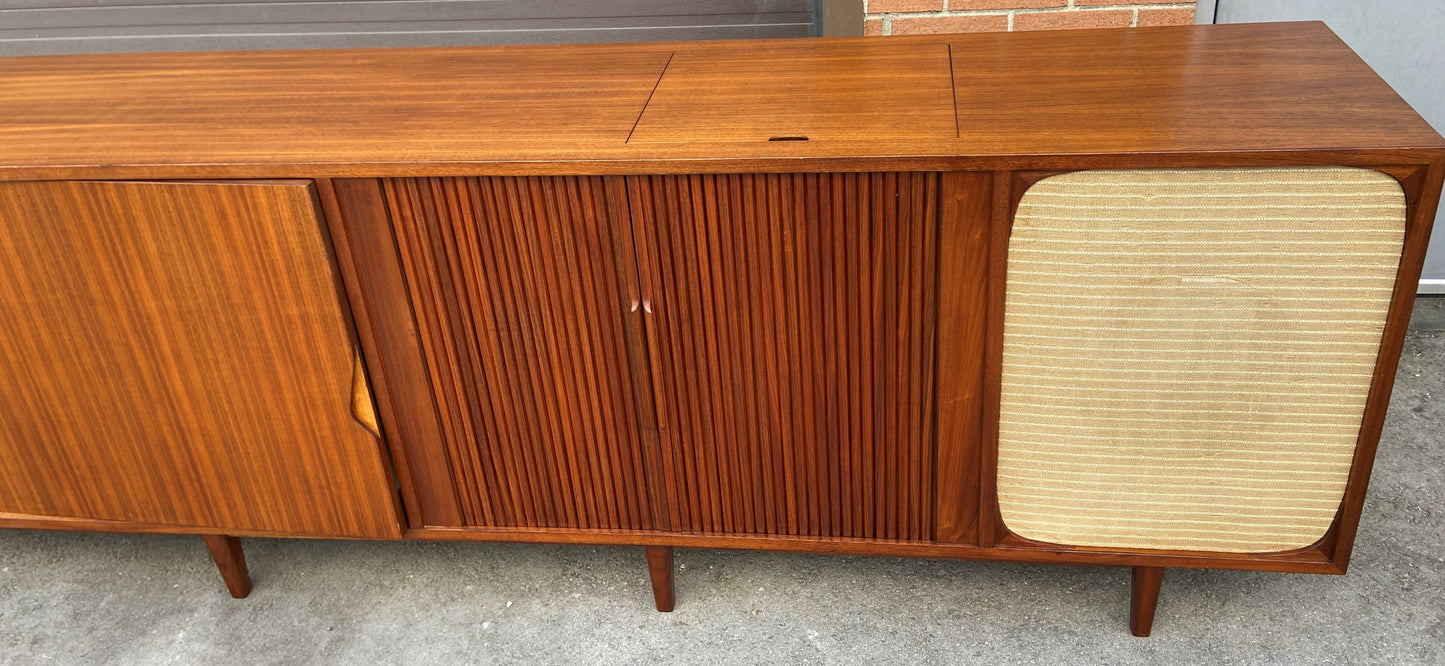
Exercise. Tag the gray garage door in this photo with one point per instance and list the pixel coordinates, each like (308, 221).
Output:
(32, 27)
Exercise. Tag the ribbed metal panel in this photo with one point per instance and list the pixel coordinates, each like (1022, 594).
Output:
(38, 27)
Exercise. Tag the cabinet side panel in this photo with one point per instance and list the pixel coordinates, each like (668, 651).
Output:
(794, 348)
(175, 354)
(520, 319)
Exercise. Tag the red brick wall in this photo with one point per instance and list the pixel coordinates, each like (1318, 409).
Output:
(908, 17)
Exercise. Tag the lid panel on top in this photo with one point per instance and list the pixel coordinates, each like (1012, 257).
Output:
(1266, 86)
(360, 105)
(803, 92)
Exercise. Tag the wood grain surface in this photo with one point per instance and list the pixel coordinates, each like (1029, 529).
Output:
(802, 92)
(1253, 87)
(962, 302)
(793, 349)
(520, 316)
(357, 215)
(176, 354)
(395, 105)
(1274, 93)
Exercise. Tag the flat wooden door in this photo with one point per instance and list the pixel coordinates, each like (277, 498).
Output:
(519, 293)
(178, 354)
(791, 342)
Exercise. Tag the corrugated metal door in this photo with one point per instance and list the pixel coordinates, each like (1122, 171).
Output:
(36, 27)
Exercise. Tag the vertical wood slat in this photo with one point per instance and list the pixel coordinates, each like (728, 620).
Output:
(519, 298)
(794, 349)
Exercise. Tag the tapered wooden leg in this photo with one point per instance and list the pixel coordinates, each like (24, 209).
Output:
(226, 551)
(659, 567)
(1144, 598)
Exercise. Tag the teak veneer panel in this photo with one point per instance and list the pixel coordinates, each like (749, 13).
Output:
(177, 354)
(792, 334)
(965, 224)
(1265, 94)
(362, 105)
(1262, 87)
(875, 89)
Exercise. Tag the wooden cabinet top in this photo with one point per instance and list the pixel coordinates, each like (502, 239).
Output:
(1252, 92)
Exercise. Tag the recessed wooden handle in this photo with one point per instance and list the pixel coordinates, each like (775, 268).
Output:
(362, 408)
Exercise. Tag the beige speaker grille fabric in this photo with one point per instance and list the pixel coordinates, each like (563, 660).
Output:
(1187, 353)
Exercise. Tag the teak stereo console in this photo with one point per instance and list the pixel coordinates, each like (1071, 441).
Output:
(1112, 297)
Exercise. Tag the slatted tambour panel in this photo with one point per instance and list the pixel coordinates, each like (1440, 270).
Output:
(793, 349)
(1187, 353)
(515, 291)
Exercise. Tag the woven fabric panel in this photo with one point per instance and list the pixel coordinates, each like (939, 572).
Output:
(1187, 353)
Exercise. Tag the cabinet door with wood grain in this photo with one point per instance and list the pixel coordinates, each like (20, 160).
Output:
(178, 354)
(791, 342)
(519, 289)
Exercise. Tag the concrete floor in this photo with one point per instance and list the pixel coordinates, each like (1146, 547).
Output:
(90, 598)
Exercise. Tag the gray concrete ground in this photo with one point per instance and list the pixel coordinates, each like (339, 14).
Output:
(88, 598)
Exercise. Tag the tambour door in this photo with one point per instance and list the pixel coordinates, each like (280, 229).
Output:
(518, 290)
(176, 354)
(790, 334)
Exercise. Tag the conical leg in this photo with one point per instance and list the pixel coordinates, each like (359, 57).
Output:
(659, 567)
(226, 551)
(1144, 598)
